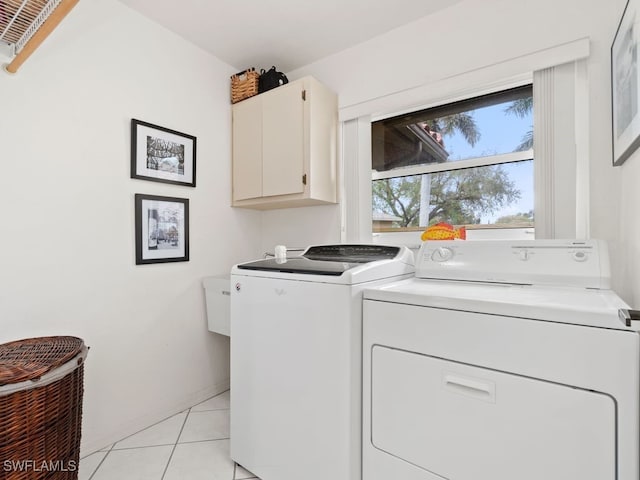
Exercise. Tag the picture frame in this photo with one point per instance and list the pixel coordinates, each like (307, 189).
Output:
(161, 229)
(159, 154)
(625, 85)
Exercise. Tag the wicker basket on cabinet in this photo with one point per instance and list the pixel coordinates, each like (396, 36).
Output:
(244, 85)
(41, 389)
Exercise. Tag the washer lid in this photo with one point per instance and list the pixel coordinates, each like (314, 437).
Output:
(351, 253)
(338, 264)
(332, 260)
(572, 305)
(300, 265)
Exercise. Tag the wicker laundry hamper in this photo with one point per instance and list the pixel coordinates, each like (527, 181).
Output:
(41, 408)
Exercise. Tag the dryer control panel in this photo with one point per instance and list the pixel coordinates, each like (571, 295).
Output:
(538, 262)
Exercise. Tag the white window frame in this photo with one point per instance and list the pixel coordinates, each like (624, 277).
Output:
(356, 154)
(410, 238)
(457, 165)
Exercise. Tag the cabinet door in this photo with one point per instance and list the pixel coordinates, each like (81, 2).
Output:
(247, 149)
(283, 140)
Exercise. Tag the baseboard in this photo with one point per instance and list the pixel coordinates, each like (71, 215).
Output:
(124, 430)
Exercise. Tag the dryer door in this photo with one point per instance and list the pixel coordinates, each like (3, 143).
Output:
(468, 423)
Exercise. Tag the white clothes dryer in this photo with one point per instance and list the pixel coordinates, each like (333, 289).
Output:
(501, 361)
(296, 351)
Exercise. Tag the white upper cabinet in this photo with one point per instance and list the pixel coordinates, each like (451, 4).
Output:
(247, 149)
(284, 147)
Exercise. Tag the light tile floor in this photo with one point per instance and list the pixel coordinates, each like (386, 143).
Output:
(191, 445)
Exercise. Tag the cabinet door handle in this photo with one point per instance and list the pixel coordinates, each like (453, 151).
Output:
(304, 179)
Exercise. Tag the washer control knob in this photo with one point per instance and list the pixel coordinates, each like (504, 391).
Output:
(442, 254)
(579, 256)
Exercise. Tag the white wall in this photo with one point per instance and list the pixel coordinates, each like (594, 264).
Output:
(630, 228)
(300, 227)
(466, 37)
(67, 260)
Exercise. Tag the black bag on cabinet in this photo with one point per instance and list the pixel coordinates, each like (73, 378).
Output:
(271, 79)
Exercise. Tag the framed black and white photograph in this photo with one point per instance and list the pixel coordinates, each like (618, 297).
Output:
(162, 155)
(625, 86)
(162, 229)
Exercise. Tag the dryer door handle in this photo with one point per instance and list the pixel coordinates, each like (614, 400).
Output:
(471, 387)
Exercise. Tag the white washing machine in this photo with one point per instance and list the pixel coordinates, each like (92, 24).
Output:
(296, 359)
(501, 361)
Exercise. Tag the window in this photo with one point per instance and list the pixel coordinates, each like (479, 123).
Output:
(468, 163)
